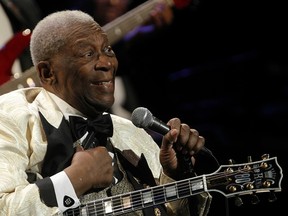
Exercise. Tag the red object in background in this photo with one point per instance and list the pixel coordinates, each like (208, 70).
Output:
(10, 52)
(181, 3)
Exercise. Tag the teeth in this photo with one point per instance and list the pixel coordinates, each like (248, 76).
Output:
(104, 83)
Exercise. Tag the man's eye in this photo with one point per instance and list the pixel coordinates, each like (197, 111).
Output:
(88, 54)
(109, 51)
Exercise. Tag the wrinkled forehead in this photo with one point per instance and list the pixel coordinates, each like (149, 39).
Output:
(79, 39)
(84, 30)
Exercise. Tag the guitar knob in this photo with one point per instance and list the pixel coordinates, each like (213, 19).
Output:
(238, 201)
(254, 199)
(272, 197)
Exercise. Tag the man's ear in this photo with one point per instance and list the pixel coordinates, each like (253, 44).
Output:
(45, 73)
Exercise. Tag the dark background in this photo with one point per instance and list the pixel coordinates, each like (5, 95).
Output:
(222, 68)
(233, 88)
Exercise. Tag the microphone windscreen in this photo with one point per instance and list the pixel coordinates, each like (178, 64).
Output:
(142, 117)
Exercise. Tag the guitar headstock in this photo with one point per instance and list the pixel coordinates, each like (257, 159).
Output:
(234, 180)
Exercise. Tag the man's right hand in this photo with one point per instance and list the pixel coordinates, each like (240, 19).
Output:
(90, 168)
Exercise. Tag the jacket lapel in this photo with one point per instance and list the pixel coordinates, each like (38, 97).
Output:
(58, 134)
(59, 149)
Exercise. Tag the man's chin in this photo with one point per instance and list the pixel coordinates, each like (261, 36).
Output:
(104, 106)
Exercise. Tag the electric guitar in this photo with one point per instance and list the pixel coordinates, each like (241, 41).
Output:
(230, 180)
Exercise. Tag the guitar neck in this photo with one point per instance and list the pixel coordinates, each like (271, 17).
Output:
(137, 200)
(119, 27)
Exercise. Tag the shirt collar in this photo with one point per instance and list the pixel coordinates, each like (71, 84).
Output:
(64, 107)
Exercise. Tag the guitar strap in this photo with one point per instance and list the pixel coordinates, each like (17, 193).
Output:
(138, 168)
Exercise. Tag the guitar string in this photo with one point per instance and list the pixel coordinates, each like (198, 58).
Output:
(93, 206)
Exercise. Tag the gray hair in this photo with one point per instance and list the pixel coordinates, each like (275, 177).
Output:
(50, 34)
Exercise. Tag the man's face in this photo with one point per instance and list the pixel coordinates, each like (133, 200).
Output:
(85, 70)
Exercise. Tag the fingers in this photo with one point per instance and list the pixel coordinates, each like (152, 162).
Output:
(171, 137)
(183, 138)
(190, 140)
(195, 144)
(162, 15)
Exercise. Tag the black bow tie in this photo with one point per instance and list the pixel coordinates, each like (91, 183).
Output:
(101, 127)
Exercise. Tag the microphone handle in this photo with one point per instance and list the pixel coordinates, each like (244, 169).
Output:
(159, 126)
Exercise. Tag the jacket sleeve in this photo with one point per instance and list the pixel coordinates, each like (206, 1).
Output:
(19, 153)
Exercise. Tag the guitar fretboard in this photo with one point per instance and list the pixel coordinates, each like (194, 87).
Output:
(136, 200)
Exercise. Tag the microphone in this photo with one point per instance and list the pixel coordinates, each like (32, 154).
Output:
(143, 118)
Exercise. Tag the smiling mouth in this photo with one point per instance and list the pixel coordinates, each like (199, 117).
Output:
(103, 83)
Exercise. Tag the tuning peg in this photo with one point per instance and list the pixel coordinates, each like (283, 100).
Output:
(272, 197)
(231, 162)
(238, 201)
(249, 159)
(254, 199)
(265, 156)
